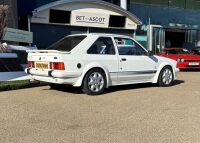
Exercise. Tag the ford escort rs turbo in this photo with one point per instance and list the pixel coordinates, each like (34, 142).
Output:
(97, 61)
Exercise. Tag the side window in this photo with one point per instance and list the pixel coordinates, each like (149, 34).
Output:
(129, 47)
(102, 45)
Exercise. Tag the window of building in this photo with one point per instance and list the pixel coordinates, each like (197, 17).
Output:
(117, 2)
(192, 4)
(129, 47)
(108, 1)
(177, 3)
(152, 2)
(117, 21)
(187, 4)
(102, 45)
(59, 16)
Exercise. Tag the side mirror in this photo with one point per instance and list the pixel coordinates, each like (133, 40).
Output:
(150, 53)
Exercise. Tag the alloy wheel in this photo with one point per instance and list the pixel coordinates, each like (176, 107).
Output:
(95, 82)
(167, 76)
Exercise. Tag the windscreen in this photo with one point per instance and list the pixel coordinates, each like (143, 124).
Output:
(178, 51)
(67, 44)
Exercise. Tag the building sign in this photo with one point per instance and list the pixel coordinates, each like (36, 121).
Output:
(89, 19)
(18, 35)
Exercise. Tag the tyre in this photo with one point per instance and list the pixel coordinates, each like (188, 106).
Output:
(166, 77)
(94, 82)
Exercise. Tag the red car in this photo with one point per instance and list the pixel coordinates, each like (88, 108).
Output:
(184, 59)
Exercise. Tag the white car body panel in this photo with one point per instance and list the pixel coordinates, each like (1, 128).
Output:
(162, 63)
(134, 66)
(136, 69)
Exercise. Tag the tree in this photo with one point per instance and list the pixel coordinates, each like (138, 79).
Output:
(3, 24)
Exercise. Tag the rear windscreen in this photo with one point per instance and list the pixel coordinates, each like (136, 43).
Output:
(67, 44)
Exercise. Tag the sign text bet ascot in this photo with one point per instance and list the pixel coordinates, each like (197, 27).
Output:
(89, 19)
(93, 19)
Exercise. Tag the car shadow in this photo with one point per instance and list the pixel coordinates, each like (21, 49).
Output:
(137, 86)
(129, 87)
(177, 82)
(67, 88)
(76, 90)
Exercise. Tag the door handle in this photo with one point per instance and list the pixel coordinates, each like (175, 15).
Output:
(123, 59)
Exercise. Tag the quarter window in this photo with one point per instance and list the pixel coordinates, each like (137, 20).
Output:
(127, 46)
(102, 45)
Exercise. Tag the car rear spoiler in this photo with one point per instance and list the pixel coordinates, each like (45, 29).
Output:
(47, 51)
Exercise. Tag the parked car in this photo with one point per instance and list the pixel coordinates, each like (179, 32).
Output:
(98, 61)
(185, 60)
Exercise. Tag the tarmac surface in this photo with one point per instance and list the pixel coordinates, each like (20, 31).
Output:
(141, 113)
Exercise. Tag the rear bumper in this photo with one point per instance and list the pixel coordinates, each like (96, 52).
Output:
(70, 81)
(52, 76)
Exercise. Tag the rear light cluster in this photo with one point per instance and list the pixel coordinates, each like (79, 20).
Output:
(57, 66)
(31, 64)
(52, 65)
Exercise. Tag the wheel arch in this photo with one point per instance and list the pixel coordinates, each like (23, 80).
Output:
(155, 80)
(91, 67)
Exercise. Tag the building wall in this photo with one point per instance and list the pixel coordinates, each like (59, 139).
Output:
(27, 6)
(166, 10)
(157, 12)
(162, 15)
(12, 16)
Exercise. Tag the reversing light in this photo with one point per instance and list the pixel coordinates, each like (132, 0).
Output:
(57, 66)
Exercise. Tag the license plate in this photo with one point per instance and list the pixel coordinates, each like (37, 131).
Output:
(193, 63)
(42, 65)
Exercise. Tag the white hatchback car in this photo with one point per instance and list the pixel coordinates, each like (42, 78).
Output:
(98, 61)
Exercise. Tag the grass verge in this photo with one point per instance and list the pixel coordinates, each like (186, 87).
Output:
(13, 85)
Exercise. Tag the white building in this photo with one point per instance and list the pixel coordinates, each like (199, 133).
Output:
(55, 20)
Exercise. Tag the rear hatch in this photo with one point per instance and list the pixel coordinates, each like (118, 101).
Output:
(46, 59)
(52, 57)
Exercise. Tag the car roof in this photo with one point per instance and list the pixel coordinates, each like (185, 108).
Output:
(100, 34)
(92, 35)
